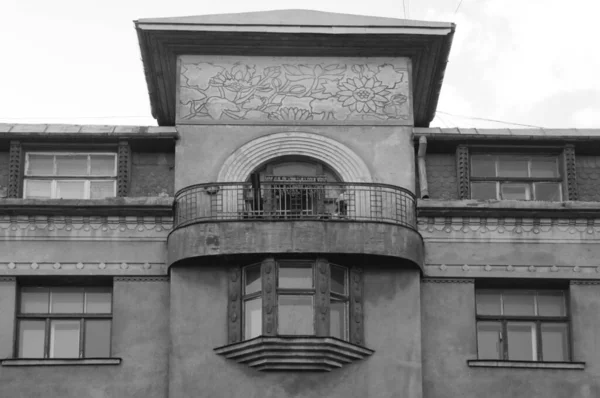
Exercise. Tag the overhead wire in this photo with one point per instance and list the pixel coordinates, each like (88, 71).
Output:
(490, 120)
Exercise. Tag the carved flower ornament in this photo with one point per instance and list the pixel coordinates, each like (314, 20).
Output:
(362, 94)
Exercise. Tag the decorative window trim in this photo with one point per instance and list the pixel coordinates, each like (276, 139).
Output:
(123, 168)
(319, 352)
(571, 172)
(14, 169)
(462, 171)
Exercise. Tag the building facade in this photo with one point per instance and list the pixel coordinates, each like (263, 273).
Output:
(293, 228)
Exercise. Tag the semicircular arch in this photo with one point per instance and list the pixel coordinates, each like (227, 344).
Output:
(242, 162)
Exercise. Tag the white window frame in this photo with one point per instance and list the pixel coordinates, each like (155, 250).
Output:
(55, 178)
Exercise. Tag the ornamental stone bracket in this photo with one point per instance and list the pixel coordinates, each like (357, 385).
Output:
(307, 353)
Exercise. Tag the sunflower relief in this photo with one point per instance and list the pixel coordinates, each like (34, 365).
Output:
(233, 89)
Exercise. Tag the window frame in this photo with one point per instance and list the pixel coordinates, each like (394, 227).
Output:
(538, 320)
(48, 317)
(529, 181)
(320, 292)
(86, 178)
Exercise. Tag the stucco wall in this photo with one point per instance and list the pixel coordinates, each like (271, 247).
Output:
(588, 177)
(139, 337)
(387, 151)
(3, 173)
(449, 340)
(198, 325)
(441, 176)
(152, 174)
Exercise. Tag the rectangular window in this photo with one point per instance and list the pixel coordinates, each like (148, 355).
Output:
(516, 177)
(64, 322)
(522, 325)
(70, 175)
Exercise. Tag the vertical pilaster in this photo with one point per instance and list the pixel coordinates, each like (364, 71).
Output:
(571, 173)
(322, 278)
(123, 168)
(357, 329)
(15, 173)
(234, 309)
(462, 171)
(268, 271)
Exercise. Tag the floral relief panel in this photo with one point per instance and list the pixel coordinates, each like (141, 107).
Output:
(225, 89)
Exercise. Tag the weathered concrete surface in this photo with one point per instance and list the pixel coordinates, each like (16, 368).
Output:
(293, 90)
(252, 237)
(3, 173)
(139, 336)
(449, 340)
(588, 177)
(202, 150)
(441, 176)
(152, 174)
(392, 329)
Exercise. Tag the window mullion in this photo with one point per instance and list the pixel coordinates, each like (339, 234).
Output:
(322, 299)
(47, 339)
(268, 272)
(504, 340)
(81, 337)
(538, 340)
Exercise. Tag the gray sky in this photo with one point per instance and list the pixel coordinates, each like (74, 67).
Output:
(533, 62)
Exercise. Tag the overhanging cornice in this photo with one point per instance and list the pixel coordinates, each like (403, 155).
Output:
(426, 44)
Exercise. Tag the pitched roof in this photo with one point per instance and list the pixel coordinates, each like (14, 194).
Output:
(292, 18)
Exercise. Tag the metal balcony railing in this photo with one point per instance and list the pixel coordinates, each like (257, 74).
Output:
(281, 201)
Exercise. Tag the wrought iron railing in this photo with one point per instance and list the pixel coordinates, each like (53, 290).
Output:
(324, 201)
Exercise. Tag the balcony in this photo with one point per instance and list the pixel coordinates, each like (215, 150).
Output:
(295, 216)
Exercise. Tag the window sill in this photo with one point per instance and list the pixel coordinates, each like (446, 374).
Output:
(60, 362)
(487, 363)
(285, 353)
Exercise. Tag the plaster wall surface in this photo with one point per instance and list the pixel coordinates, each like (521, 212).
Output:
(449, 340)
(588, 177)
(199, 324)
(296, 90)
(441, 176)
(152, 174)
(387, 151)
(139, 336)
(3, 173)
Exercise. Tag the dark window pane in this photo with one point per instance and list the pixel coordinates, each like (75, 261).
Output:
(483, 165)
(97, 338)
(551, 303)
(515, 191)
(98, 300)
(252, 318)
(519, 302)
(544, 167)
(548, 191)
(338, 279)
(489, 344)
(102, 165)
(488, 302)
(65, 300)
(522, 344)
(71, 165)
(484, 190)
(38, 189)
(511, 166)
(296, 315)
(252, 279)
(40, 165)
(64, 339)
(338, 319)
(34, 300)
(295, 276)
(555, 342)
(31, 339)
